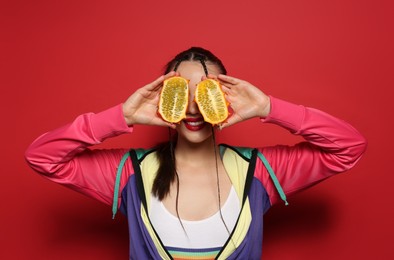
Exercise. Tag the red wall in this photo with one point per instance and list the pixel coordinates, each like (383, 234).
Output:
(63, 58)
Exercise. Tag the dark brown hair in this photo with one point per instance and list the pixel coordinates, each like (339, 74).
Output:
(194, 54)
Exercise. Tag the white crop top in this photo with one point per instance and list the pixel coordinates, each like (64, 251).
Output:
(205, 233)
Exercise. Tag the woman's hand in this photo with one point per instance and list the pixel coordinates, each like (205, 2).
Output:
(246, 100)
(141, 106)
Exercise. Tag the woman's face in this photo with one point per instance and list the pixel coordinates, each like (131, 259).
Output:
(193, 128)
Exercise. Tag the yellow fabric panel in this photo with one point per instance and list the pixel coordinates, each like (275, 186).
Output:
(240, 231)
(237, 169)
(149, 167)
(155, 239)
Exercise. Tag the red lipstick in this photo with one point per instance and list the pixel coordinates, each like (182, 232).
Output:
(194, 123)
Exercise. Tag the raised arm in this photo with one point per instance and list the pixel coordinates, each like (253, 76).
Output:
(63, 155)
(331, 146)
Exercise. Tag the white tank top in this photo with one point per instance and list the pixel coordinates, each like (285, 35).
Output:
(205, 233)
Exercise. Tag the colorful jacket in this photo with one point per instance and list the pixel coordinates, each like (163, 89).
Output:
(331, 146)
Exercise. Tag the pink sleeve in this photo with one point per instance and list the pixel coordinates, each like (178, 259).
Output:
(331, 146)
(63, 156)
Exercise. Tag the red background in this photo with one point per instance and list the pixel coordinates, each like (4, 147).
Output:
(63, 58)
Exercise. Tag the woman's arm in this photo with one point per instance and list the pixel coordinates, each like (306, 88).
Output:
(63, 155)
(331, 146)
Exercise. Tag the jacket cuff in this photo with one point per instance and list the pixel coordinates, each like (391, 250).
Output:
(285, 114)
(109, 123)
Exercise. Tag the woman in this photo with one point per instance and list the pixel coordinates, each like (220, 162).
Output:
(188, 197)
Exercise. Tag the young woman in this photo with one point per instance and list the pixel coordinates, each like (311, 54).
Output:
(189, 198)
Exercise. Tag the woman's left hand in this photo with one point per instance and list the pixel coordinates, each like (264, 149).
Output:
(246, 100)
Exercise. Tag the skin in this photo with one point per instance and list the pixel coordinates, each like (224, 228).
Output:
(194, 153)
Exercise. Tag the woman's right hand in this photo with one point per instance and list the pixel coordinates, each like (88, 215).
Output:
(141, 106)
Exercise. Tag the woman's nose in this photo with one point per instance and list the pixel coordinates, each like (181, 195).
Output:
(192, 107)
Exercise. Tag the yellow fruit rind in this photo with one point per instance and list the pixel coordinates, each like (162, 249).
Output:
(174, 98)
(211, 101)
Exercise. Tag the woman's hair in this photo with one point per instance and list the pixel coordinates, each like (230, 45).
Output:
(195, 54)
(167, 171)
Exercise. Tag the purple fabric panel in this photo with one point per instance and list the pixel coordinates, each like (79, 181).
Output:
(140, 242)
(252, 246)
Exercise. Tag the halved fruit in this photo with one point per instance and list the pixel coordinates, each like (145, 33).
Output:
(174, 99)
(211, 102)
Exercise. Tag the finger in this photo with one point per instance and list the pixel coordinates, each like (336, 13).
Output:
(229, 122)
(170, 74)
(155, 84)
(225, 88)
(171, 125)
(228, 79)
(166, 124)
(158, 121)
(159, 81)
(211, 76)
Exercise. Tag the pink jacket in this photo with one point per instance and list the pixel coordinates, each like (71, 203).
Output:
(331, 146)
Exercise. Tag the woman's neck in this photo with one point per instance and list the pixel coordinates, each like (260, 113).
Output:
(196, 152)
